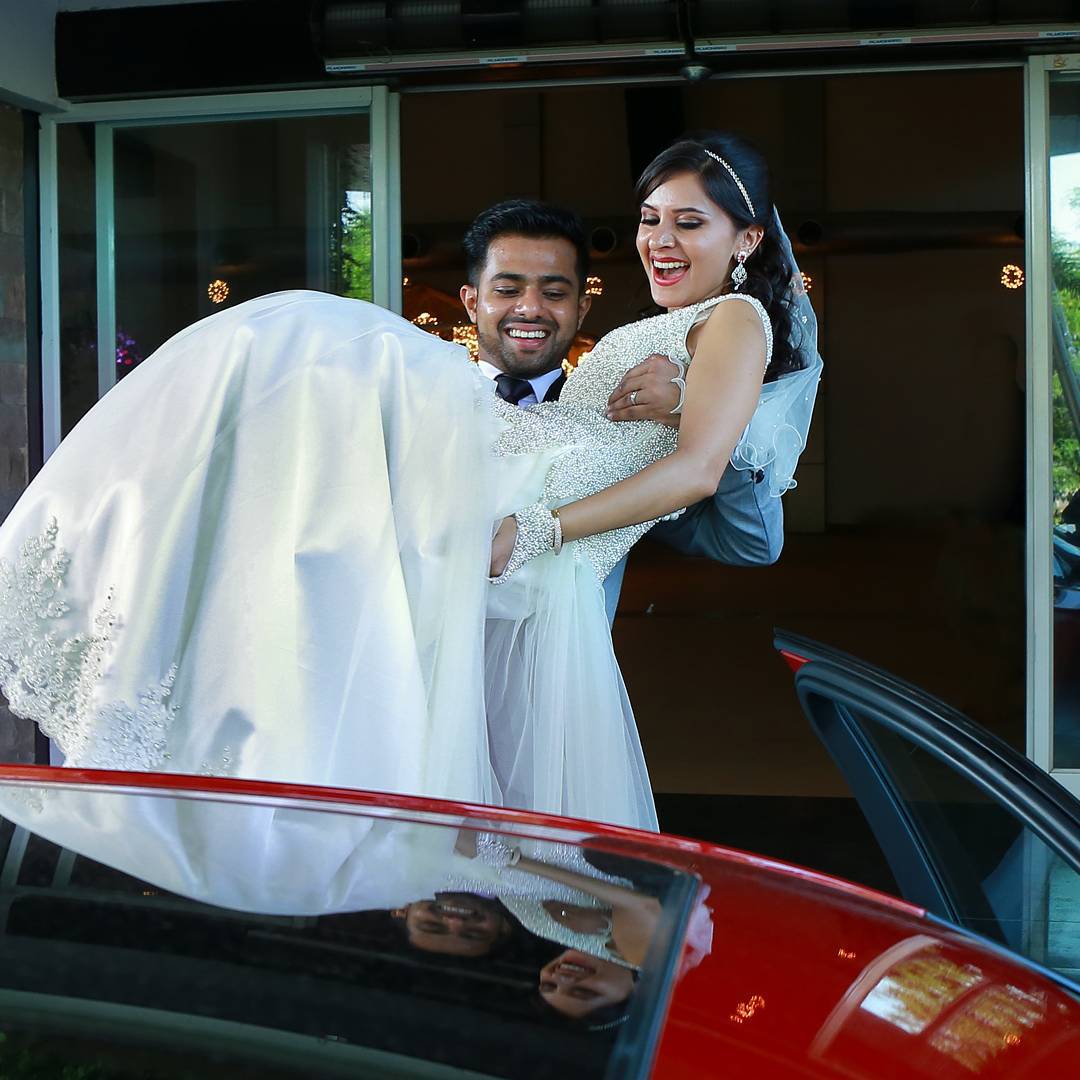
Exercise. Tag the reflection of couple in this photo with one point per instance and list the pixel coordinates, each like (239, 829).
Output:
(574, 984)
(556, 894)
(265, 553)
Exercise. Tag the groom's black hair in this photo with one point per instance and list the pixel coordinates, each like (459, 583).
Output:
(524, 217)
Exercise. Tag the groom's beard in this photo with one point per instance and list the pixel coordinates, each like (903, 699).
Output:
(501, 351)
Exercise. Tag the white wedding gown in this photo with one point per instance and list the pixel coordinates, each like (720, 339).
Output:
(264, 554)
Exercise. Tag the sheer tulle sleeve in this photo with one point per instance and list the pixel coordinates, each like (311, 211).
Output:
(776, 434)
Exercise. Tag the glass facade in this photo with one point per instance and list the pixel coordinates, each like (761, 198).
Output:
(205, 213)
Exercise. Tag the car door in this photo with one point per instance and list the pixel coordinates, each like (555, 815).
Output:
(972, 830)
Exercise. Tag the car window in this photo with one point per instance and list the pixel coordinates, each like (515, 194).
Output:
(365, 946)
(1006, 883)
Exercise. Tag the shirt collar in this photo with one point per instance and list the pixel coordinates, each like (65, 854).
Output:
(541, 384)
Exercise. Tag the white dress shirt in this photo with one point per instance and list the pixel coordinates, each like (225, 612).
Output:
(541, 384)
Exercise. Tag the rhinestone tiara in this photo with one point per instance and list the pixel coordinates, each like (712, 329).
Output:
(734, 176)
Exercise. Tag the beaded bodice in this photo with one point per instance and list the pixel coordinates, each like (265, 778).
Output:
(599, 452)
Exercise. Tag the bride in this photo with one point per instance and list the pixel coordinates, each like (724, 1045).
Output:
(305, 541)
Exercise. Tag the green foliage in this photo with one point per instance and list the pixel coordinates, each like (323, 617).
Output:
(1066, 452)
(354, 254)
(1065, 261)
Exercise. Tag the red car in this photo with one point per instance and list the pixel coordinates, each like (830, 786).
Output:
(534, 946)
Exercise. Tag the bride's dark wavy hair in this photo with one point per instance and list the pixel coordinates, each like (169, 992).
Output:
(768, 270)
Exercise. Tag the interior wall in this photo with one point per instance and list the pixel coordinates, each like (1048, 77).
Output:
(931, 335)
(948, 141)
(455, 154)
(925, 412)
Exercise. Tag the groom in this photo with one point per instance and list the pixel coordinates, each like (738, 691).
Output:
(526, 264)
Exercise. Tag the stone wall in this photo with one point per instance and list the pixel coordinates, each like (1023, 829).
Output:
(16, 736)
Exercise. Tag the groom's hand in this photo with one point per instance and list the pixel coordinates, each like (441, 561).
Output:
(654, 394)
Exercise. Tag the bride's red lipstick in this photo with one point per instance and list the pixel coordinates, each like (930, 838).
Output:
(666, 277)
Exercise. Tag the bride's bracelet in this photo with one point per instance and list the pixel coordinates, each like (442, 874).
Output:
(538, 530)
(679, 382)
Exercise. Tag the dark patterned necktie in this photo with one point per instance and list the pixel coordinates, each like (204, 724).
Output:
(512, 389)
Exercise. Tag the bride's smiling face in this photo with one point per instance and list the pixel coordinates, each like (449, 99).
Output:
(687, 243)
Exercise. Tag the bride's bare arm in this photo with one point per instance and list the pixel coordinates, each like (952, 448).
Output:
(722, 388)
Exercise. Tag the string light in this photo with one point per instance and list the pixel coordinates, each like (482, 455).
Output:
(405, 282)
(425, 319)
(466, 335)
(807, 281)
(1012, 276)
(218, 291)
(594, 286)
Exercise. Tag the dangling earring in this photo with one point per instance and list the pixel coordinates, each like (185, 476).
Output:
(739, 275)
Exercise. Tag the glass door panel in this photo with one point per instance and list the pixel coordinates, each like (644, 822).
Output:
(213, 213)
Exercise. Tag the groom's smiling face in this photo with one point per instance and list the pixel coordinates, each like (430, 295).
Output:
(527, 304)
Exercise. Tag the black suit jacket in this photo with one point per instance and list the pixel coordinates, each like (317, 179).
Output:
(555, 389)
